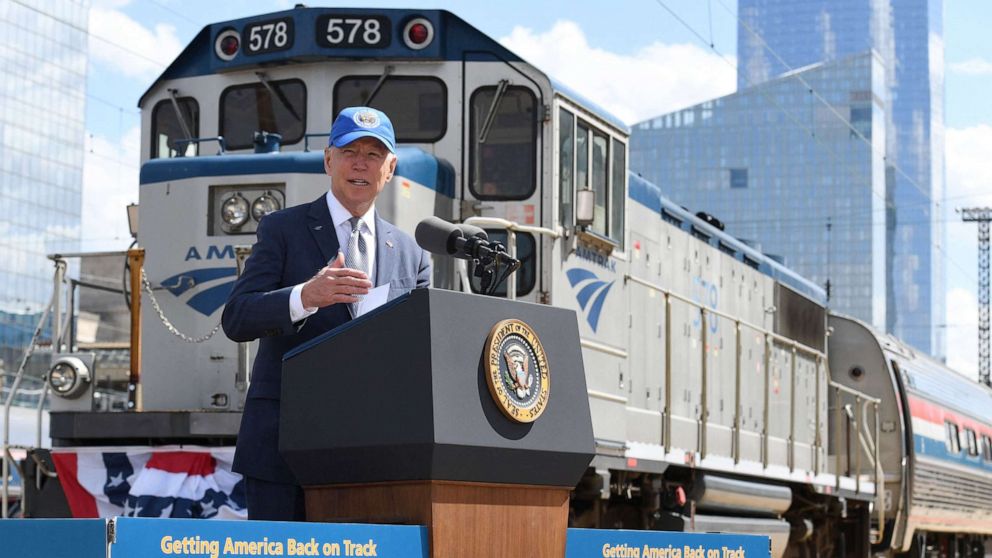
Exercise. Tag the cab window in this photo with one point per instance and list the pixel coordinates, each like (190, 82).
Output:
(601, 166)
(270, 106)
(417, 106)
(171, 126)
(618, 189)
(566, 165)
(503, 143)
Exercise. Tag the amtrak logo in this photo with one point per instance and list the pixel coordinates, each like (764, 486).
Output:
(204, 290)
(592, 293)
(366, 119)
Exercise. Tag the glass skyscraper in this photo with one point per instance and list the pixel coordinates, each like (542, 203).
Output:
(778, 35)
(779, 170)
(43, 60)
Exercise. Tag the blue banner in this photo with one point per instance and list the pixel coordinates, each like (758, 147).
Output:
(132, 537)
(173, 538)
(82, 538)
(606, 543)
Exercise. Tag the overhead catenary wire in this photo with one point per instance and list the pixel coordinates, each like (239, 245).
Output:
(812, 91)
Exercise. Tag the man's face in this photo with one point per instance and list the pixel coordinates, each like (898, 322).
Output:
(358, 172)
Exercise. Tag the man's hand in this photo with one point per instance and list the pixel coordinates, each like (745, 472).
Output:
(334, 284)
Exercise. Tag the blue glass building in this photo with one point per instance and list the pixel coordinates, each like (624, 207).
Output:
(783, 40)
(777, 35)
(43, 46)
(732, 156)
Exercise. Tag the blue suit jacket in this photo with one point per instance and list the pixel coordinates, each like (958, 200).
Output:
(293, 244)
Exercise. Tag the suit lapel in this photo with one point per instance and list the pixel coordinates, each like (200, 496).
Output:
(322, 228)
(385, 251)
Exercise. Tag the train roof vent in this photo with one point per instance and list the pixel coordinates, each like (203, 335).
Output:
(700, 234)
(671, 218)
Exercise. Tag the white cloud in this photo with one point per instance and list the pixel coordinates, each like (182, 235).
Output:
(968, 180)
(128, 46)
(655, 79)
(110, 183)
(962, 334)
(973, 67)
(969, 175)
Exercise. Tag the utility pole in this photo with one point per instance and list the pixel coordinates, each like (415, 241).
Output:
(982, 216)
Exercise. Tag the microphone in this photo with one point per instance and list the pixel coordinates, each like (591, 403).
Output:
(438, 236)
(466, 242)
(471, 230)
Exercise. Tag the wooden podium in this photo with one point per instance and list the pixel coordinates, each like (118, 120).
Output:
(391, 419)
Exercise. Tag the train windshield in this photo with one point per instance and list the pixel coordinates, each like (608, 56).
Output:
(173, 121)
(263, 106)
(417, 106)
(503, 140)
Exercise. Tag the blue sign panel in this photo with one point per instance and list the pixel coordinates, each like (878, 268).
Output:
(175, 538)
(82, 538)
(603, 543)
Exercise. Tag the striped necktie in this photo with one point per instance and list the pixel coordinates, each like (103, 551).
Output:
(358, 255)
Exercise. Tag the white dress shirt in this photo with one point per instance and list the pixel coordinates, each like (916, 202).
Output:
(342, 228)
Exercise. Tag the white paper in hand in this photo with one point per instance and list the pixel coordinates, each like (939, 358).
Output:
(376, 298)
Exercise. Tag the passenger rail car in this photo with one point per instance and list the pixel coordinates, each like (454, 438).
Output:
(935, 442)
(705, 360)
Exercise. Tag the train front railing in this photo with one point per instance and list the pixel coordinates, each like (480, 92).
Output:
(856, 436)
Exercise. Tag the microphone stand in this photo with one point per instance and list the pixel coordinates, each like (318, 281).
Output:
(492, 263)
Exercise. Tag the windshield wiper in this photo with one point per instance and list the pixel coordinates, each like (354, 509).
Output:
(274, 89)
(493, 107)
(378, 85)
(174, 97)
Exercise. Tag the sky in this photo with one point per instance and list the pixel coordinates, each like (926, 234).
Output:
(637, 58)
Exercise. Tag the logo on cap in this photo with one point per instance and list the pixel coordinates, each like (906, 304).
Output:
(366, 119)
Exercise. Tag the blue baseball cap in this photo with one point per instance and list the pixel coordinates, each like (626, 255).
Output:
(360, 122)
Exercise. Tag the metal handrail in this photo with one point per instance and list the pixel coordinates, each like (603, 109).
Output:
(864, 409)
(511, 228)
(774, 336)
(60, 268)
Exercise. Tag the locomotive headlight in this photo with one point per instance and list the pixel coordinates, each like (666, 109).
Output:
(263, 205)
(69, 377)
(234, 211)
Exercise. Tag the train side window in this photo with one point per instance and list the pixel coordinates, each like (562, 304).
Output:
(953, 440)
(270, 106)
(987, 448)
(566, 165)
(503, 143)
(600, 183)
(170, 127)
(417, 106)
(972, 440)
(601, 165)
(618, 192)
(582, 140)
(526, 276)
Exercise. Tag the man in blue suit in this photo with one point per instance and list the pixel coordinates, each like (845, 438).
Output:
(309, 266)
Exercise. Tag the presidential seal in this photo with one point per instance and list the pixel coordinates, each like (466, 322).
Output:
(366, 119)
(517, 371)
